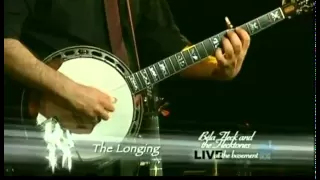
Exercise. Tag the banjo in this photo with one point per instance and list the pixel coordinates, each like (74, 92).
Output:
(98, 68)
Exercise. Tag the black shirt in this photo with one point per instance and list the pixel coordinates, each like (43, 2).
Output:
(45, 26)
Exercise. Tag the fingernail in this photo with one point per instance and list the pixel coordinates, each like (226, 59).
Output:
(114, 100)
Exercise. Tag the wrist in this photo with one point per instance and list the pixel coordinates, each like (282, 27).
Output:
(65, 88)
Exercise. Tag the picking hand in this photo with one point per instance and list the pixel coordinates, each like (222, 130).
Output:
(85, 107)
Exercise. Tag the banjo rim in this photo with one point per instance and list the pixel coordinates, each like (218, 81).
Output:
(74, 52)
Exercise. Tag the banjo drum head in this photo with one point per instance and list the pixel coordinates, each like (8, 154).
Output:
(105, 76)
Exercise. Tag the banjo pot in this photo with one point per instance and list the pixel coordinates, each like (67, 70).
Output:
(100, 69)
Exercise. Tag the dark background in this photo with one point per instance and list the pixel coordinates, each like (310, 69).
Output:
(274, 92)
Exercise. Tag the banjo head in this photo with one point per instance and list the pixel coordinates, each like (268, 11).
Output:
(97, 68)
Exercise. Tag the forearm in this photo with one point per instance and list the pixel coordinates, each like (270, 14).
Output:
(21, 64)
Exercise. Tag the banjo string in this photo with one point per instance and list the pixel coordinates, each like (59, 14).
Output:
(120, 86)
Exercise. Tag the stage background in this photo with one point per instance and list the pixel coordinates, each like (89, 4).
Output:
(274, 91)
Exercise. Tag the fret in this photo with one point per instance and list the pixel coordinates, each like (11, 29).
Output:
(181, 60)
(245, 27)
(202, 50)
(187, 57)
(146, 77)
(208, 47)
(174, 63)
(276, 15)
(138, 80)
(145, 80)
(216, 41)
(140, 77)
(194, 53)
(133, 82)
(153, 73)
(264, 21)
(149, 75)
(254, 26)
(162, 69)
(160, 72)
(224, 33)
(170, 66)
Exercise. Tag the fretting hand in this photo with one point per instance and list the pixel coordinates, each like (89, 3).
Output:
(232, 54)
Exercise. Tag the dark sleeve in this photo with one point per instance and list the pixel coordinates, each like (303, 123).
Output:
(157, 34)
(15, 13)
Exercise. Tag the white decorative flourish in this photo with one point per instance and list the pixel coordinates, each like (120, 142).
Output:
(57, 139)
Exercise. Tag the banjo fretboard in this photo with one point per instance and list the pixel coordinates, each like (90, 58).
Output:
(196, 53)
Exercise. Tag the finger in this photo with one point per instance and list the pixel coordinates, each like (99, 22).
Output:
(228, 49)
(105, 115)
(220, 57)
(244, 37)
(107, 104)
(96, 120)
(235, 42)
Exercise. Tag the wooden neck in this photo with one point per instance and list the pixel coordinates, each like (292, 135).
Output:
(195, 54)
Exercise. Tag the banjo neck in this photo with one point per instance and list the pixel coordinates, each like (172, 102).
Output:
(180, 61)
